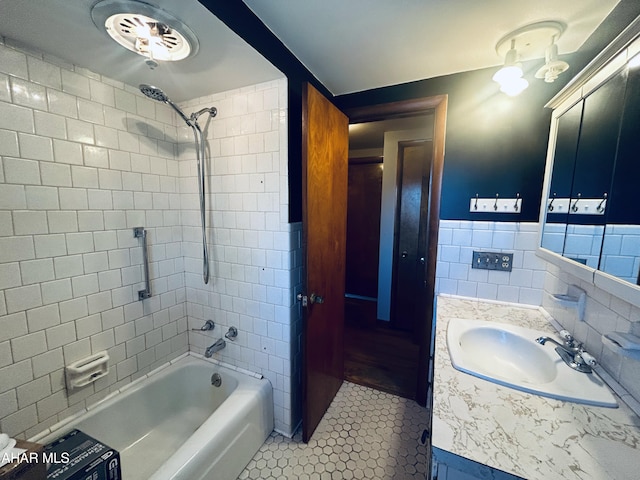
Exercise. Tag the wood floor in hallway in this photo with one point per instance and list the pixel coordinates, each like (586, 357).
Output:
(376, 355)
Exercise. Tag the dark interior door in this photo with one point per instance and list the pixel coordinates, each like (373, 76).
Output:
(363, 226)
(414, 168)
(325, 144)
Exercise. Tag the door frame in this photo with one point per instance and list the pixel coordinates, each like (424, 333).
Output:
(438, 106)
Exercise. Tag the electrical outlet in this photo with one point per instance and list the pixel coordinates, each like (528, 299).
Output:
(492, 261)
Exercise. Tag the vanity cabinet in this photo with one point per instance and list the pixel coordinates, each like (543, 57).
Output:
(448, 466)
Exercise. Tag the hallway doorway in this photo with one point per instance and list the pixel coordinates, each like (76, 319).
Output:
(380, 350)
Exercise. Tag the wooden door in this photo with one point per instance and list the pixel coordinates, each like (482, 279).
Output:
(325, 144)
(363, 227)
(414, 175)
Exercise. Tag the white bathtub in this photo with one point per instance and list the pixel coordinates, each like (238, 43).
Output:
(176, 425)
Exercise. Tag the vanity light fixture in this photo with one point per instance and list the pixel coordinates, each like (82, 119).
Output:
(532, 42)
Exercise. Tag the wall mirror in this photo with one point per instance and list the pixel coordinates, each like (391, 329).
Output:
(590, 221)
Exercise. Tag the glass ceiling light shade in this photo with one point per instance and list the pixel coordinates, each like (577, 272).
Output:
(509, 77)
(552, 67)
(145, 30)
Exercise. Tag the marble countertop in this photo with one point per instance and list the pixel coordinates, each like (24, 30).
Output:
(526, 435)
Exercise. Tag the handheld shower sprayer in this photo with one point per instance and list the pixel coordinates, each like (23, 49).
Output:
(192, 121)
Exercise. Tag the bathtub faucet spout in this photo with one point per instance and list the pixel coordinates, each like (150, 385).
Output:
(216, 347)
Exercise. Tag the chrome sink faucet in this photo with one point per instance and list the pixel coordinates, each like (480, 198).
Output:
(574, 355)
(216, 347)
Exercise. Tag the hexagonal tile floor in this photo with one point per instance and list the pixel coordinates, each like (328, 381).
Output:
(365, 434)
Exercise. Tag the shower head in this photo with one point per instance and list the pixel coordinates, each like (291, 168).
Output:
(155, 93)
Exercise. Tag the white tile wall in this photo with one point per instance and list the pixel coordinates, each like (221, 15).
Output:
(69, 265)
(621, 252)
(604, 313)
(458, 239)
(254, 252)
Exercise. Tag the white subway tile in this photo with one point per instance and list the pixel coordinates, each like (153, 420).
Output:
(99, 302)
(54, 174)
(12, 197)
(43, 317)
(28, 346)
(41, 198)
(47, 362)
(62, 103)
(16, 248)
(95, 156)
(35, 147)
(84, 285)
(110, 179)
(48, 245)
(67, 152)
(28, 223)
(125, 101)
(73, 309)
(9, 143)
(21, 171)
(9, 275)
(87, 326)
(36, 271)
(86, 177)
(80, 131)
(75, 84)
(44, 73)
(62, 221)
(79, 242)
(114, 220)
(61, 335)
(106, 136)
(102, 93)
(90, 111)
(73, 199)
(95, 262)
(28, 94)
(68, 266)
(90, 220)
(56, 291)
(14, 117)
(23, 298)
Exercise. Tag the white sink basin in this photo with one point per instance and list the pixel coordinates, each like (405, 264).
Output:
(509, 355)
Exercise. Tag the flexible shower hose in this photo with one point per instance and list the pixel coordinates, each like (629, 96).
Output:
(200, 149)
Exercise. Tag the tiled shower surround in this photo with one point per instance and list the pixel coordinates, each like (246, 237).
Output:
(84, 159)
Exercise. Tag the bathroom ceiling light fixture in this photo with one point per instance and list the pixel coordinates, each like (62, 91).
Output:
(552, 67)
(146, 30)
(509, 77)
(532, 42)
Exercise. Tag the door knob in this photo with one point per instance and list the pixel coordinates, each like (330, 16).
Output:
(405, 254)
(311, 299)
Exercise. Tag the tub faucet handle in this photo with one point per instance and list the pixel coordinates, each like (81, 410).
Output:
(208, 325)
(231, 334)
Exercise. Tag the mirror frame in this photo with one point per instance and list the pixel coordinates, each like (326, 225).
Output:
(613, 58)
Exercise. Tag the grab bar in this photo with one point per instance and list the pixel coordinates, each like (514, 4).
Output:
(140, 232)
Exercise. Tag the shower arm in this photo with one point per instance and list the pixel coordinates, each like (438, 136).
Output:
(212, 111)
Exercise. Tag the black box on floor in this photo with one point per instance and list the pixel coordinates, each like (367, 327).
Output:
(77, 456)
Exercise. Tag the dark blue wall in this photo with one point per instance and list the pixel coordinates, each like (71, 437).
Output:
(494, 144)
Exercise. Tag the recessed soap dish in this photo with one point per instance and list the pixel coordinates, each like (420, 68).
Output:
(574, 298)
(622, 343)
(88, 370)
